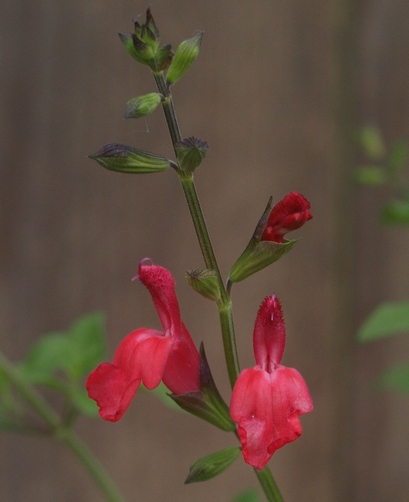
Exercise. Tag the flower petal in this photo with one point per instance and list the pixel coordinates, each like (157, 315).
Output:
(181, 374)
(269, 334)
(161, 286)
(287, 215)
(112, 389)
(266, 408)
(251, 408)
(141, 355)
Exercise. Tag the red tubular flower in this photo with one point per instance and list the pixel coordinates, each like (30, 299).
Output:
(287, 215)
(148, 355)
(268, 398)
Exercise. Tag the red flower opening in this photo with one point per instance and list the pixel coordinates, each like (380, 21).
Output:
(268, 398)
(147, 355)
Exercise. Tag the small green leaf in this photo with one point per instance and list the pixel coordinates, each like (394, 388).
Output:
(387, 320)
(79, 398)
(395, 378)
(396, 212)
(75, 352)
(370, 175)
(87, 344)
(247, 496)
(212, 465)
(399, 155)
(47, 356)
(371, 141)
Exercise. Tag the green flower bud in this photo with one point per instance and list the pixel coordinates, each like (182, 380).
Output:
(185, 56)
(190, 153)
(212, 465)
(204, 282)
(142, 105)
(143, 44)
(127, 159)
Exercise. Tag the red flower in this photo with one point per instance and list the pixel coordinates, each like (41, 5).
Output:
(287, 215)
(268, 398)
(147, 355)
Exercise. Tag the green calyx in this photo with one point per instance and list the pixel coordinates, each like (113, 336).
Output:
(259, 254)
(207, 404)
(127, 159)
(190, 152)
(186, 54)
(205, 282)
(212, 465)
(142, 105)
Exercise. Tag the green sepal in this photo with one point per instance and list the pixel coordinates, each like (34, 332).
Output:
(204, 282)
(127, 159)
(127, 42)
(143, 44)
(212, 465)
(186, 54)
(207, 403)
(259, 254)
(190, 152)
(142, 105)
(163, 58)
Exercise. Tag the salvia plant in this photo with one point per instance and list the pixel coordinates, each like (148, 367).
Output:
(266, 400)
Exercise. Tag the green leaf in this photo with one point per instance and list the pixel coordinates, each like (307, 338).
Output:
(79, 398)
(47, 356)
(212, 465)
(399, 155)
(371, 141)
(87, 345)
(396, 212)
(75, 352)
(395, 378)
(370, 175)
(387, 320)
(247, 496)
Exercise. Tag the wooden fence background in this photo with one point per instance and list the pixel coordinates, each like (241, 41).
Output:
(278, 91)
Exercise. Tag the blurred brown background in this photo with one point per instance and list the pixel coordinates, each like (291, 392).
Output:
(278, 92)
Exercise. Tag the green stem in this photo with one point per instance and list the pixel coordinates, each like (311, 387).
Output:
(67, 436)
(268, 484)
(188, 185)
